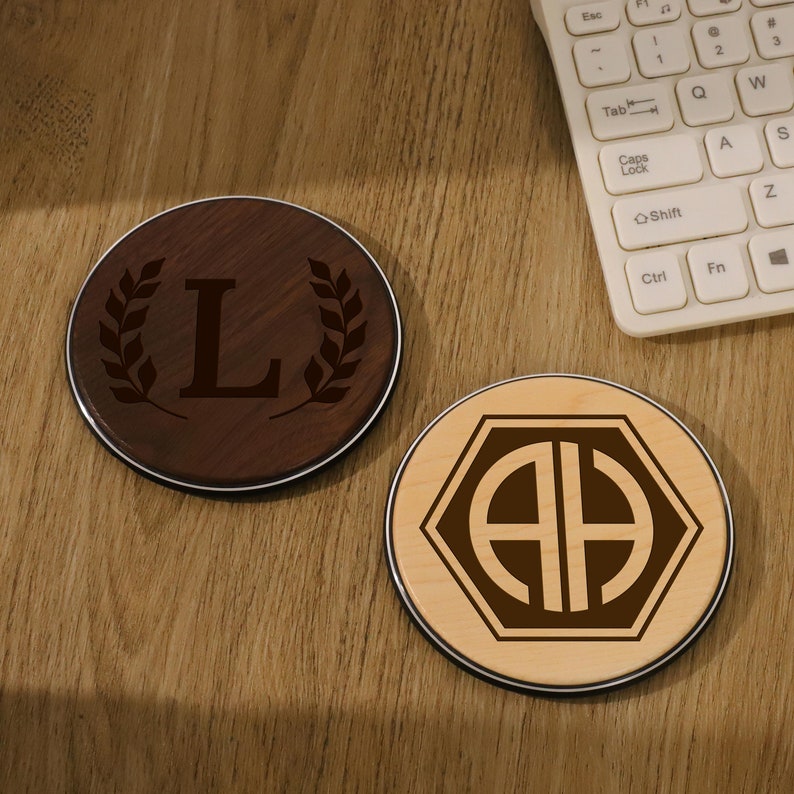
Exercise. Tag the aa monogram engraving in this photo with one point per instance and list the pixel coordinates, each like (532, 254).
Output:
(327, 374)
(561, 528)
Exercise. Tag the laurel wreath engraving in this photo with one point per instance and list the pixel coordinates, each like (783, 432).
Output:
(324, 385)
(129, 353)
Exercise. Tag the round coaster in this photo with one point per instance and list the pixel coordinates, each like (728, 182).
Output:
(233, 344)
(559, 534)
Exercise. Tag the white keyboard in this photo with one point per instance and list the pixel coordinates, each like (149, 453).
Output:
(682, 119)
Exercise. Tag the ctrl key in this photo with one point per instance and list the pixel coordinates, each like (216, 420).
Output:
(655, 282)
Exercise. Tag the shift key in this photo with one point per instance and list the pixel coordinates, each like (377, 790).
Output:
(623, 112)
(675, 216)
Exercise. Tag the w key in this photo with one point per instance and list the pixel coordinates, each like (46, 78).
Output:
(765, 89)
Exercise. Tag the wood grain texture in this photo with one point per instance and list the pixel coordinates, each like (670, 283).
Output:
(234, 343)
(153, 641)
(492, 519)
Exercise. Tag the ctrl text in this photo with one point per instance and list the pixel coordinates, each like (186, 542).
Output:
(654, 278)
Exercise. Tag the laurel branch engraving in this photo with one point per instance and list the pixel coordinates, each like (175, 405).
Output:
(129, 352)
(324, 372)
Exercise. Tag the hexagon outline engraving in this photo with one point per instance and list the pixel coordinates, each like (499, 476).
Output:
(662, 486)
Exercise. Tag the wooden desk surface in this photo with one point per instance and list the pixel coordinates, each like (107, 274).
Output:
(154, 641)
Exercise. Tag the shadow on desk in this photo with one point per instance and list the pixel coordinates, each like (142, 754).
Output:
(53, 744)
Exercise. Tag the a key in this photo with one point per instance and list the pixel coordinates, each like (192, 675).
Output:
(734, 150)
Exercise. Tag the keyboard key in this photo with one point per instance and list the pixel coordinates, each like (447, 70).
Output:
(655, 282)
(674, 217)
(772, 256)
(650, 163)
(780, 139)
(601, 61)
(765, 89)
(661, 52)
(705, 99)
(592, 18)
(734, 150)
(773, 199)
(765, 3)
(718, 273)
(704, 8)
(653, 12)
(720, 42)
(773, 32)
(625, 112)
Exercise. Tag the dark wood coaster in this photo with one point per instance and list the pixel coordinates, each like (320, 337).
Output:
(559, 535)
(233, 344)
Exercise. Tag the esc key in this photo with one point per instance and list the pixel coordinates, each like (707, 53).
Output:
(592, 18)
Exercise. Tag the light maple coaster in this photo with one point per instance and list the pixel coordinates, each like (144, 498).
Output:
(559, 534)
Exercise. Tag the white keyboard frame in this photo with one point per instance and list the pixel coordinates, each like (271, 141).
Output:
(550, 17)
